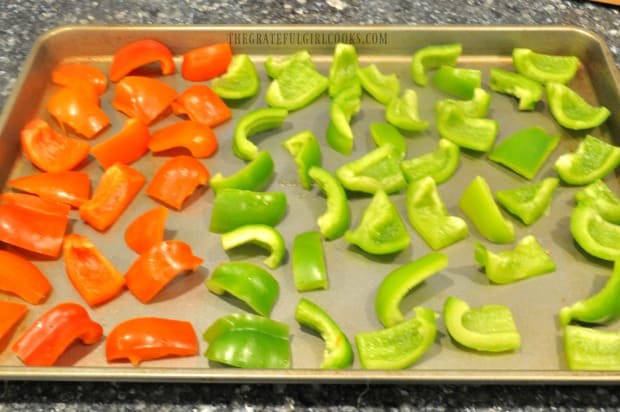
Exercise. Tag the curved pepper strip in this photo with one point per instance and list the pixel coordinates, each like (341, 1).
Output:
(139, 53)
(458, 81)
(309, 272)
(69, 187)
(262, 235)
(477, 106)
(339, 135)
(252, 123)
(296, 87)
(42, 343)
(146, 230)
(307, 153)
(526, 260)
(11, 313)
(529, 92)
(194, 136)
(206, 62)
(384, 133)
(544, 68)
(399, 282)
(398, 346)
(240, 81)
(176, 180)
(431, 57)
(334, 222)
(201, 104)
(571, 110)
(22, 278)
(247, 282)
(256, 175)
(468, 132)
(383, 87)
(274, 66)
(599, 196)
(249, 341)
(403, 112)
(142, 97)
(154, 269)
(148, 338)
(90, 272)
(594, 159)
(439, 164)
(77, 106)
(233, 208)
(594, 234)
(126, 146)
(528, 202)
(343, 70)
(591, 349)
(68, 74)
(489, 328)
(338, 353)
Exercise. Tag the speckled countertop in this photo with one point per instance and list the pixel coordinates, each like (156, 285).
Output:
(21, 21)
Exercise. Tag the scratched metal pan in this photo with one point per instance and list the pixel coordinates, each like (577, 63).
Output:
(353, 276)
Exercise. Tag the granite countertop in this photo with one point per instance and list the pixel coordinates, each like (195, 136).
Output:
(22, 21)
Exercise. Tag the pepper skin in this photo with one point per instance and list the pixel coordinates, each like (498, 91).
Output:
(233, 208)
(240, 81)
(139, 53)
(78, 107)
(143, 97)
(206, 62)
(572, 111)
(261, 235)
(309, 271)
(126, 146)
(431, 57)
(591, 349)
(529, 92)
(296, 87)
(22, 278)
(201, 104)
(305, 149)
(198, 138)
(335, 221)
(255, 175)
(11, 313)
(382, 87)
(594, 159)
(147, 229)
(69, 187)
(528, 202)
(252, 123)
(176, 180)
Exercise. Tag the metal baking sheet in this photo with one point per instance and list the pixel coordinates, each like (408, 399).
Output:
(353, 275)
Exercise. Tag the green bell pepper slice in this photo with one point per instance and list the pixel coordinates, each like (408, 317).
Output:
(240, 80)
(477, 106)
(305, 149)
(381, 230)
(468, 132)
(529, 92)
(378, 169)
(489, 328)
(595, 235)
(296, 87)
(572, 111)
(249, 341)
(343, 70)
(233, 208)
(309, 271)
(431, 57)
(335, 221)
(429, 217)
(339, 135)
(385, 133)
(458, 81)
(382, 87)
(544, 68)
(594, 159)
(600, 308)
(599, 196)
(591, 349)
(401, 281)
(528, 202)
(403, 112)
(247, 282)
(439, 164)
(525, 151)
(255, 175)
(399, 346)
(274, 66)
(338, 353)
(262, 235)
(479, 206)
(526, 260)
(252, 123)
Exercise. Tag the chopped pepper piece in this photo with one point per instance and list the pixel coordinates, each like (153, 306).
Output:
(477, 106)
(439, 164)
(429, 217)
(146, 230)
(489, 328)
(274, 66)
(399, 346)
(467, 132)
(77, 106)
(194, 136)
(261, 235)
(383, 87)
(529, 92)
(381, 230)
(206, 62)
(309, 272)
(338, 352)
(594, 234)
(571, 111)
(233, 208)
(339, 134)
(254, 122)
(343, 70)
(385, 133)
(403, 112)
(528, 202)
(458, 81)
(335, 221)
(70, 187)
(176, 180)
(249, 341)
(11, 313)
(22, 278)
(591, 349)
(247, 282)
(401, 281)
(139, 53)
(525, 151)
(202, 104)
(126, 146)
(256, 175)
(544, 68)
(307, 153)
(431, 57)
(599, 196)
(142, 97)
(240, 80)
(68, 74)
(296, 87)
(526, 260)
(593, 159)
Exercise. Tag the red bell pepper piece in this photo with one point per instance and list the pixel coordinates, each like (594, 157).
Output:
(196, 137)
(147, 338)
(146, 230)
(69, 187)
(143, 97)
(116, 189)
(10, 315)
(77, 73)
(177, 179)
(126, 146)
(90, 272)
(206, 62)
(22, 278)
(51, 151)
(158, 266)
(38, 204)
(140, 53)
(51, 334)
(77, 106)
(201, 104)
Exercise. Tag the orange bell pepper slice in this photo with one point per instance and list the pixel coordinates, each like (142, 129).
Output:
(126, 146)
(22, 278)
(36, 203)
(146, 230)
(11, 313)
(139, 53)
(116, 189)
(196, 137)
(51, 151)
(158, 266)
(90, 272)
(77, 73)
(204, 63)
(147, 338)
(52, 333)
(143, 97)
(201, 104)
(69, 187)
(177, 179)
(77, 106)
